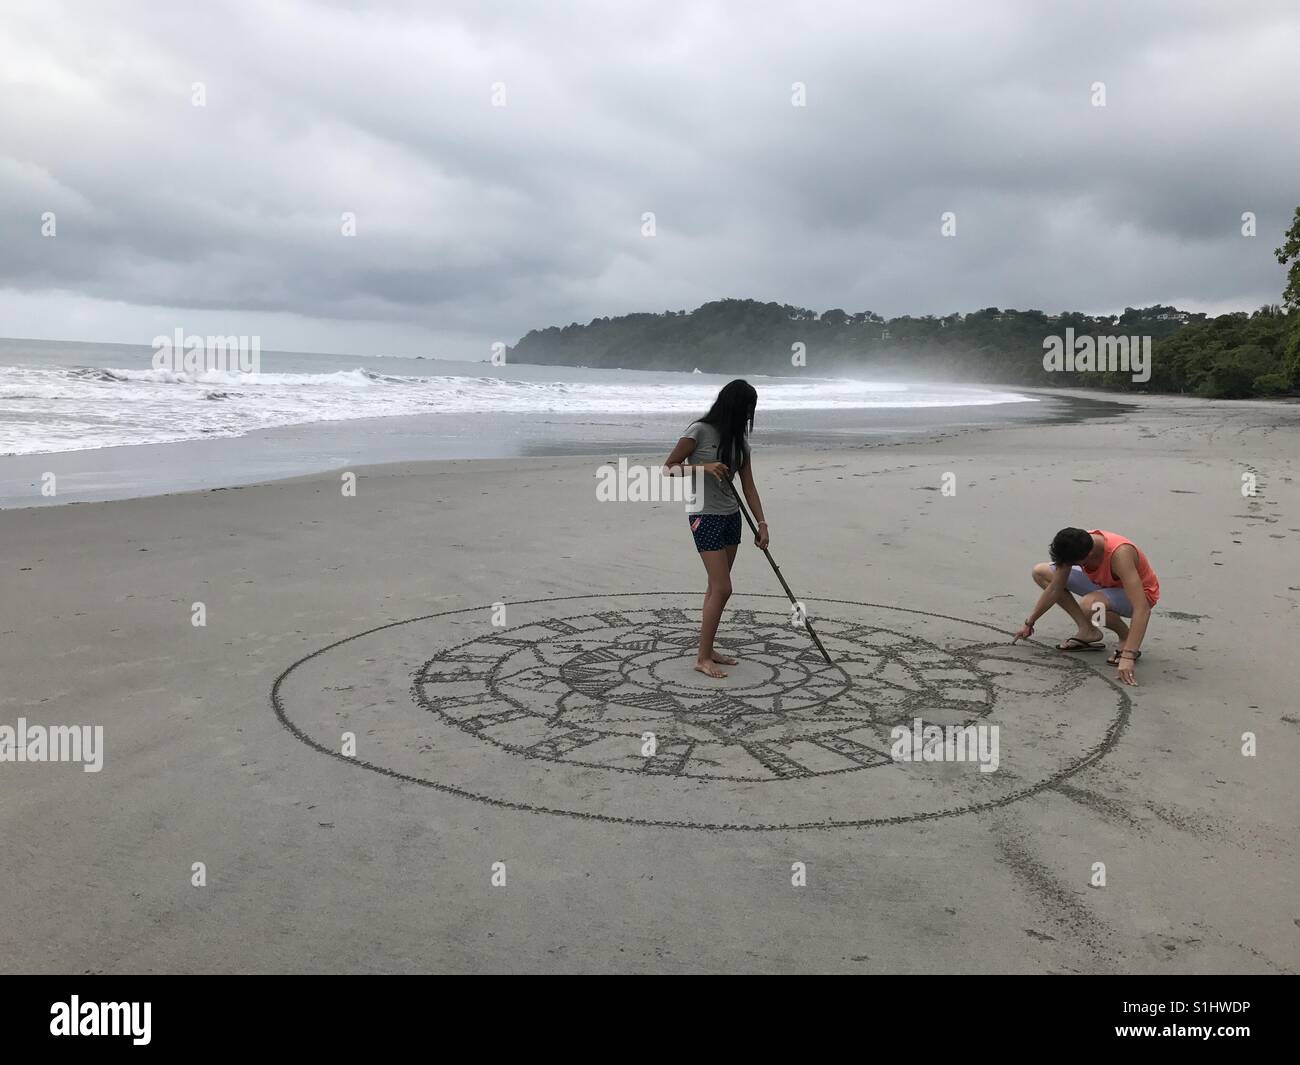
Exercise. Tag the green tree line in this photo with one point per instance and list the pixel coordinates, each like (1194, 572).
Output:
(1234, 355)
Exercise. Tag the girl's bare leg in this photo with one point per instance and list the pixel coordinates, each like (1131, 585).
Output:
(715, 598)
(718, 656)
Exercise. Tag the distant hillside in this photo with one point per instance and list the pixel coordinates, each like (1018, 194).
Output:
(1233, 355)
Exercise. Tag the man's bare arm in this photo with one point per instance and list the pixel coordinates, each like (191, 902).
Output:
(1050, 594)
(1045, 602)
(1123, 564)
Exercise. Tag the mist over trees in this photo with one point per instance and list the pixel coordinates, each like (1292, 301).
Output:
(1232, 355)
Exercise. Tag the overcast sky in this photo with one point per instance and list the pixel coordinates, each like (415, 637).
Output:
(475, 222)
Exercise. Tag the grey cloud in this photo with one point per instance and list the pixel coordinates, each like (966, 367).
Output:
(477, 223)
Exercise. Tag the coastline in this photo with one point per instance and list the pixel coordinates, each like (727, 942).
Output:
(145, 470)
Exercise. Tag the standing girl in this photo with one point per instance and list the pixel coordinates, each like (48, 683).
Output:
(719, 444)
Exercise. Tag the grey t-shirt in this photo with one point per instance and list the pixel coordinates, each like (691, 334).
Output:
(708, 447)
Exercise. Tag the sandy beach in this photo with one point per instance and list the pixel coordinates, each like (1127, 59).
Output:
(384, 859)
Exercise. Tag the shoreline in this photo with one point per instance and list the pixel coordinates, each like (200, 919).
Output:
(289, 452)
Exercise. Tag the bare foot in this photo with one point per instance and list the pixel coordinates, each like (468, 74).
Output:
(726, 660)
(709, 669)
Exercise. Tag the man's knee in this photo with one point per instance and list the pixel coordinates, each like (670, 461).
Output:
(1043, 574)
(1098, 607)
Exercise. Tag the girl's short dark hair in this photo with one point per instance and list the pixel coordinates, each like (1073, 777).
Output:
(1070, 546)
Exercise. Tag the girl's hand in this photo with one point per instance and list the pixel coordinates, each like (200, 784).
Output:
(718, 469)
(762, 540)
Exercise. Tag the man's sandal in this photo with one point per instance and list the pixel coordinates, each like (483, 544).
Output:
(1076, 644)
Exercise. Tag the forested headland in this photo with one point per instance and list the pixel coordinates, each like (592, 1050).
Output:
(1236, 355)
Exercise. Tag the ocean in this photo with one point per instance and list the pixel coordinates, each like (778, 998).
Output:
(107, 424)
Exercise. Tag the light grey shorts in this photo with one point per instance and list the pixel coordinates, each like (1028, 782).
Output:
(1116, 598)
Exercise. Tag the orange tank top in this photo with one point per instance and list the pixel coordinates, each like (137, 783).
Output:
(1105, 578)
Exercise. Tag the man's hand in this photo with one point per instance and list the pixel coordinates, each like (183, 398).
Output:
(1024, 632)
(1125, 663)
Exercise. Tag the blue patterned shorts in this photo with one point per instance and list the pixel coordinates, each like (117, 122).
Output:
(713, 532)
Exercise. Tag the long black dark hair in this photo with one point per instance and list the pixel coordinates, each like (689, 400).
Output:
(732, 414)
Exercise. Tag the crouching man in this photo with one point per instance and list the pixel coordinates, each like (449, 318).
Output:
(1115, 581)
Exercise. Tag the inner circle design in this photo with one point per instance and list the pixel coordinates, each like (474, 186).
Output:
(586, 690)
(589, 707)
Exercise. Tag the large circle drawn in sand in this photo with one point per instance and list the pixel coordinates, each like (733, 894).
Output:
(589, 707)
